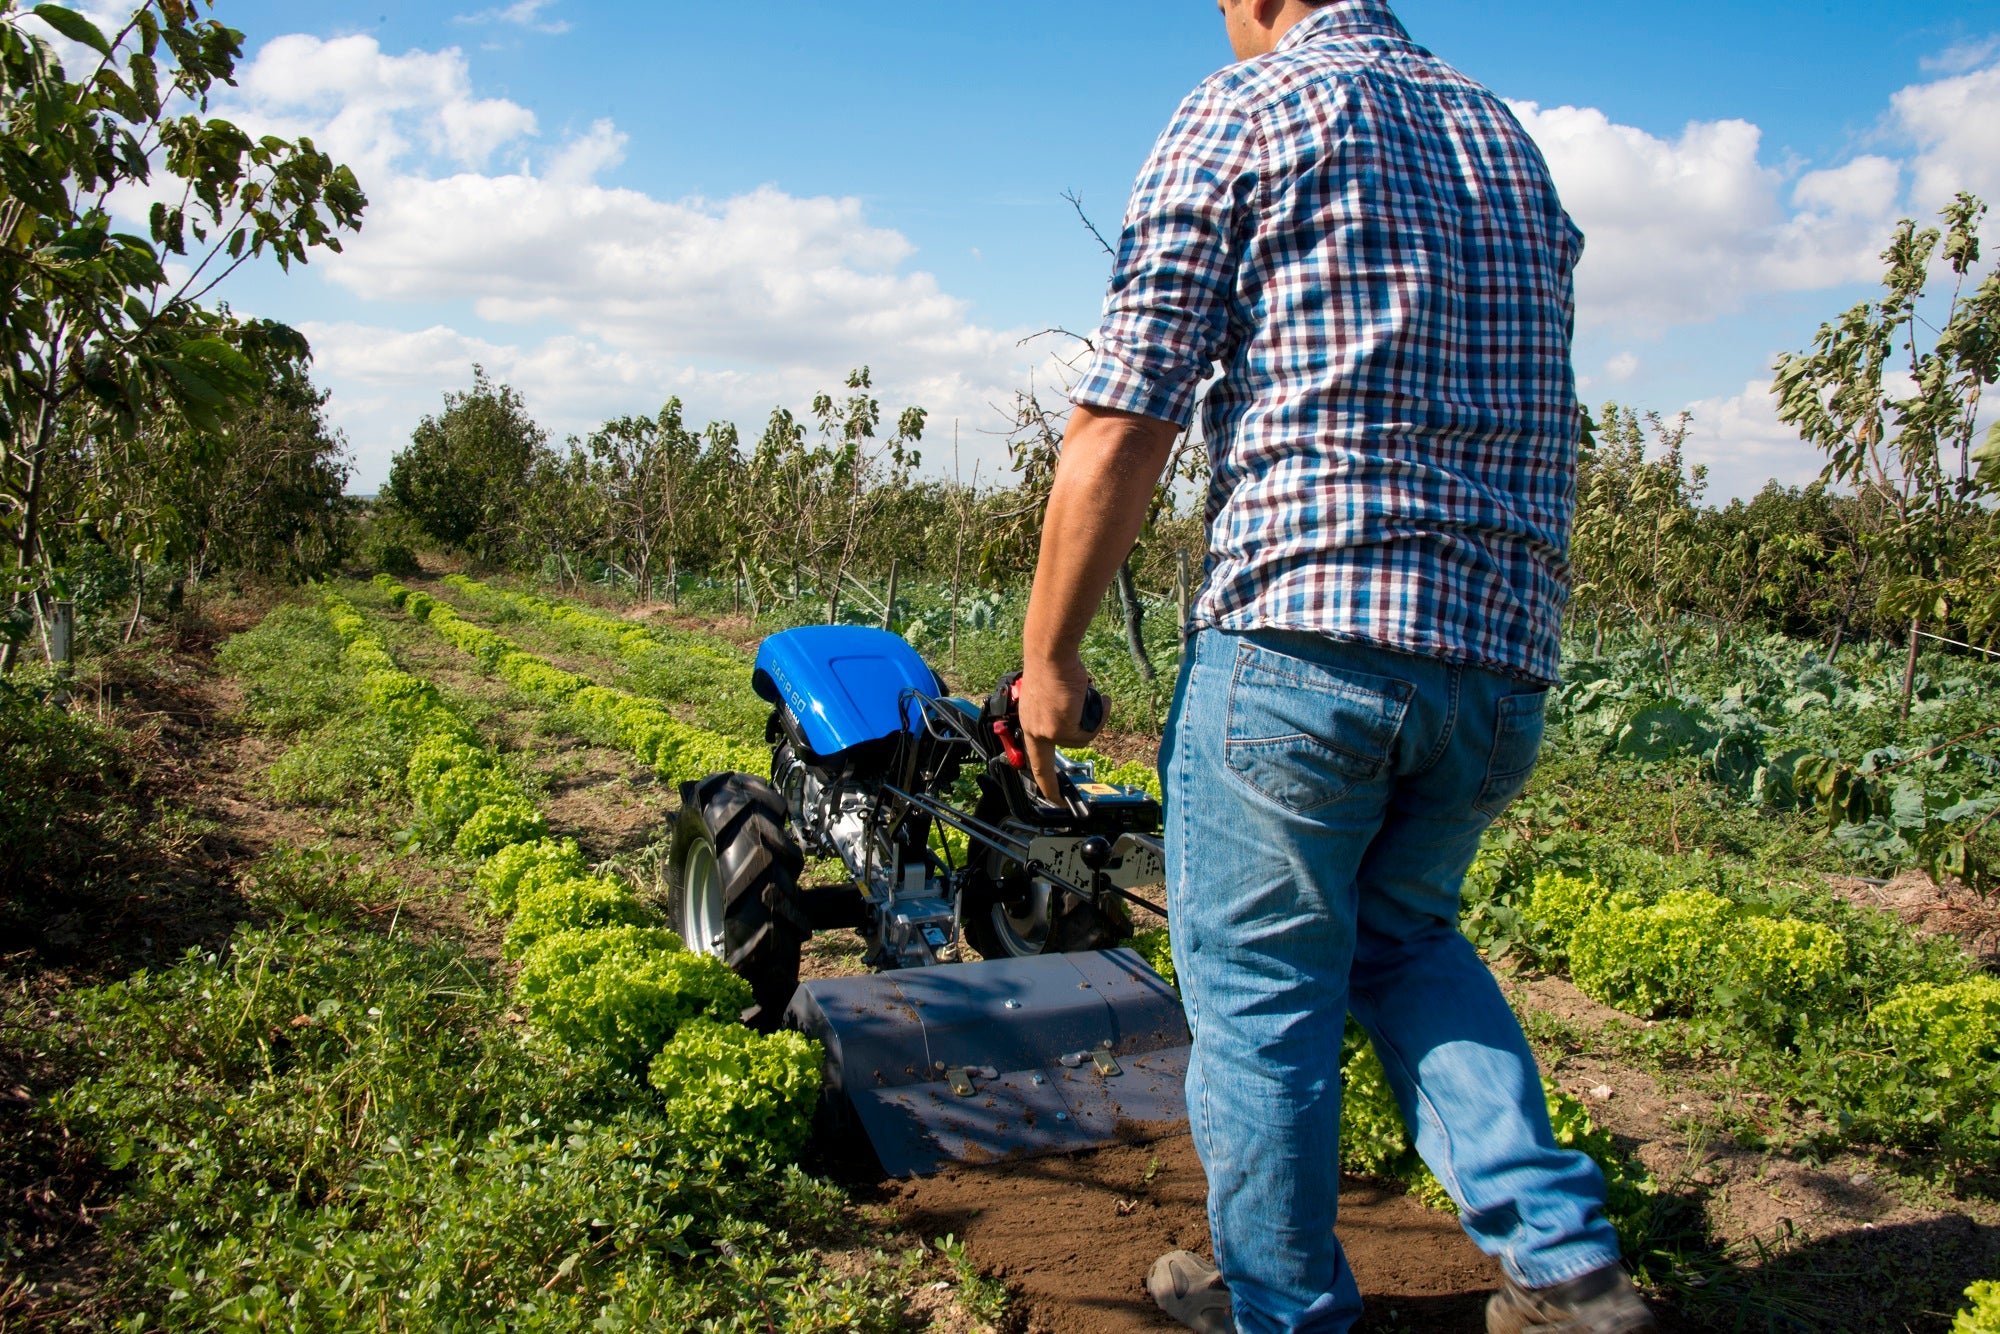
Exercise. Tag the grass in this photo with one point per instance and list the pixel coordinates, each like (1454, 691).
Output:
(983, 1298)
(323, 1128)
(71, 805)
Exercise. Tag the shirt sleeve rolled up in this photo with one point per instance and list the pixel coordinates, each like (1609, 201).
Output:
(1166, 318)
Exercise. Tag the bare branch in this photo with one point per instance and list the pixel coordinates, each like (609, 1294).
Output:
(1057, 331)
(1075, 201)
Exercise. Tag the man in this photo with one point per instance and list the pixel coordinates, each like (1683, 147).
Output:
(1368, 248)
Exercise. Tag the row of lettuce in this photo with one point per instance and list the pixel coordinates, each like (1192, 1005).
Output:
(708, 679)
(341, 1120)
(1876, 1035)
(596, 968)
(686, 669)
(641, 727)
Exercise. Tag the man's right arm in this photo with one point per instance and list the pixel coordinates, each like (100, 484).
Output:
(1165, 320)
(1167, 315)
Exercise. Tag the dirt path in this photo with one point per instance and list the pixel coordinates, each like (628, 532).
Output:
(613, 806)
(1075, 1236)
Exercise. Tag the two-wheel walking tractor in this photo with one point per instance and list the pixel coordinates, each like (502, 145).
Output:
(1058, 1039)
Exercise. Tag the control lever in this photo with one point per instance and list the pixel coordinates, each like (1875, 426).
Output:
(1003, 712)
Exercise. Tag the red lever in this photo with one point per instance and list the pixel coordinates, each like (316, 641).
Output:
(1008, 728)
(1009, 733)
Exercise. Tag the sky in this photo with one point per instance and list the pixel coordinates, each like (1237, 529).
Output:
(611, 202)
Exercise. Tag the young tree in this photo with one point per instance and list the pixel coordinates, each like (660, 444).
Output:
(266, 494)
(1976, 592)
(1631, 545)
(859, 476)
(561, 515)
(95, 336)
(1767, 559)
(645, 470)
(462, 477)
(1910, 445)
(772, 501)
(1014, 543)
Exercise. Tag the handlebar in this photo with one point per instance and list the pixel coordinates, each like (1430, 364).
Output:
(1003, 717)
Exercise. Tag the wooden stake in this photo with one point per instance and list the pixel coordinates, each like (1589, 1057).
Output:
(1182, 592)
(1910, 667)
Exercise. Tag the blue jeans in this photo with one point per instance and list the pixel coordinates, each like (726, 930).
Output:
(1324, 800)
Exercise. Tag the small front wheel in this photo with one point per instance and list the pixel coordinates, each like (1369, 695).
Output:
(733, 886)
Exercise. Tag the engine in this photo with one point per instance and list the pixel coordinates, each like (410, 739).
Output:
(935, 858)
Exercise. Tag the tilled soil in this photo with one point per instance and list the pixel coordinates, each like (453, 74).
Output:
(1073, 1236)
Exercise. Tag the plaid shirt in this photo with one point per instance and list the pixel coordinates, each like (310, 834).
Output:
(1370, 246)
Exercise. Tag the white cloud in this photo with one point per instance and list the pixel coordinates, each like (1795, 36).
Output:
(764, 278)
(620, 298)
(372, 110)
(1621, 367)
(523, 14)
(1963, 56)
(1683, 231)
(1841, 221)
(1744, 444)
(1955, 124)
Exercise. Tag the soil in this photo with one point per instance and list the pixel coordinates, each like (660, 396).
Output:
(1074, 1236)
(1931, 909)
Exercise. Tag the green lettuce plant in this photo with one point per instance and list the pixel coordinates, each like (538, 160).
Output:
(1560, 903)
(1154, 947)
(737, 1094)
(505, 819)
(624, 989)
(1944, 1079)
(1983, 1316)
(509, 872)
(548, 905)
(1652, 960)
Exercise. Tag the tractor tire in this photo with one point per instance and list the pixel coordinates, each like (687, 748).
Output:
(1047, 923)
(733, 887)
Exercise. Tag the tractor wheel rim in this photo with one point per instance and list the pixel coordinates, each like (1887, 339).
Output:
(1026, 933)
(701, 901)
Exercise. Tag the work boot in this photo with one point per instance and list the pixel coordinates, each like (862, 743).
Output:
(1600, 1302)
(1190, 1289)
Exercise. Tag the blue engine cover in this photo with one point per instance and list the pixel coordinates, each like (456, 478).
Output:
(844, 683)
